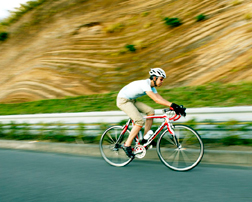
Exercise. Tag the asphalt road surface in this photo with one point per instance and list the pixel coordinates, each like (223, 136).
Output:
(30, 176)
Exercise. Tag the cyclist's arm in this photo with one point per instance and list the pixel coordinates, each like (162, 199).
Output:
(158, 98)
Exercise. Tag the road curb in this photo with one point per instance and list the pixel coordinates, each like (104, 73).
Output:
(224, 157)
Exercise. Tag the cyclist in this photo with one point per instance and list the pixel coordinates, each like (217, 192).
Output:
(126, 101)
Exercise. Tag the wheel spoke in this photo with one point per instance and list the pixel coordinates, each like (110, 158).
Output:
(186, 158)
(110, 139)
(176, 159)
(115, 134)
(185, 139)
(170, 156)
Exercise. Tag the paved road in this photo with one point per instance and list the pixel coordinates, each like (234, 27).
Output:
(30, 176)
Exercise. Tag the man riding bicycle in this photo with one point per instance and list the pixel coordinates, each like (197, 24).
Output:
(126, 101)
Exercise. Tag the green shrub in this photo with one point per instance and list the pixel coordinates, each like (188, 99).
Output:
(130, 47)
(59, 138)
(3, 36)
(173, 22)
(200, 17)
(230, 125)
(42, 129)
(230, 140)
(235, 140)
(25, 131)
(97, 138)
(80, 129)
(104, 126)
(13, 133)
(91, 139)
(60, 129)
(57, 133)
(2, 134)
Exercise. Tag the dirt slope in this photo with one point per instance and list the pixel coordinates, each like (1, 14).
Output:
(68, 48)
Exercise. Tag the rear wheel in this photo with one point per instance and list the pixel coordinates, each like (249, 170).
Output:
(112, 152)
(187, 154)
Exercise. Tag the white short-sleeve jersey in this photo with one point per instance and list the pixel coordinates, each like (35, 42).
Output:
(136, 89)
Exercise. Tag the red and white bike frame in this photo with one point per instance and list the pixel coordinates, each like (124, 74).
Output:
(167, 123)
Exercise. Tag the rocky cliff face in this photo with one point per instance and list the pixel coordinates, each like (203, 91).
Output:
(68, 48)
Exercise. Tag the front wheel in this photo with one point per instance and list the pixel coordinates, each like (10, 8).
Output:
(110, 146)
(182, 156)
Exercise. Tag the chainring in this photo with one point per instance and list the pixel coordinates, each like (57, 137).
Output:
(139, 151)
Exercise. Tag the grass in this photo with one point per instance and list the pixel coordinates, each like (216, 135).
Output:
(214, 95)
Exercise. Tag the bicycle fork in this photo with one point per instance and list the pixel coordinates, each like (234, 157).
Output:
(171, 131)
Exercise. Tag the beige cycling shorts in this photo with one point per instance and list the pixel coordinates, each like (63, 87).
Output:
(133, 109)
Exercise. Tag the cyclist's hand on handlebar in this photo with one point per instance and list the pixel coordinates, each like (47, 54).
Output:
(183, 110)
(179, 110)
(176, 108)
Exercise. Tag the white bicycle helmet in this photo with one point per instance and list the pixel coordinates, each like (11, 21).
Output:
(157, 72)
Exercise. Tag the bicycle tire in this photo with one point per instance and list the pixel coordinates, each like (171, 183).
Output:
(114, 154)
(185, 157)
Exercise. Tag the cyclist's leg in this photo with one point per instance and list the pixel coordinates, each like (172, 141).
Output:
(149, 111)
(128, 106)
(134, 131)
(148, 124)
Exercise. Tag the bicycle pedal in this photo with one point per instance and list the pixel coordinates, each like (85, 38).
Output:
(138, 152)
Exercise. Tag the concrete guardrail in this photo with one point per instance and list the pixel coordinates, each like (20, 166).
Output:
(217, 114)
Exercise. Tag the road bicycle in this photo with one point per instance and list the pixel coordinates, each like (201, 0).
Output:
(179, 146)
